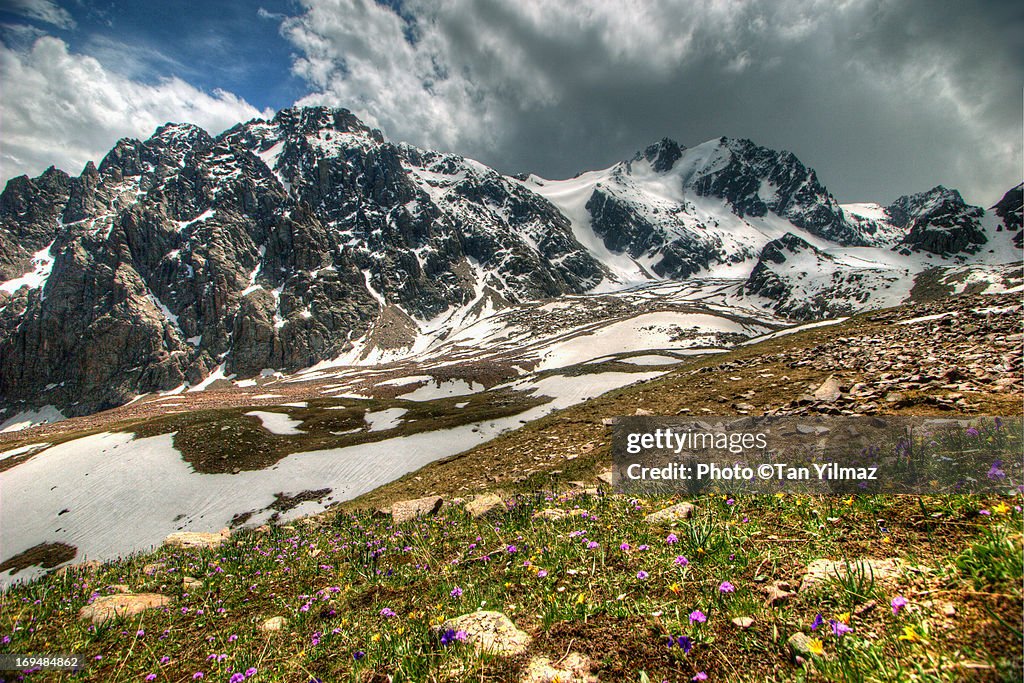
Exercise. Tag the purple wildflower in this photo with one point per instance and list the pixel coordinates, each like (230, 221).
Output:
(701, 676)
(456, 592)
(898, 603)
(642, 575)
(250, 672)
(685, 644)
(197, 675)
(671, 538)
(592, 545)
(388, 612)
(839, 628)
(696, 616)
(358, 654)
(726, 587)
(624, 547)
(818, 621)
(236, 678)
(682, 561)
(996, 471)
(151, 677)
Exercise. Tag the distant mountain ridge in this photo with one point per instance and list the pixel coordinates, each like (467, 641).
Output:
(308, 237)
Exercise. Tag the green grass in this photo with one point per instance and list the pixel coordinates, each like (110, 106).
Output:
(331, 577)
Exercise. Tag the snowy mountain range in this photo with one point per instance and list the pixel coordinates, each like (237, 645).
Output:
(310, 239)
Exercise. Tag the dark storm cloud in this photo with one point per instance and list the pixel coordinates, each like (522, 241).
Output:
(882, 98)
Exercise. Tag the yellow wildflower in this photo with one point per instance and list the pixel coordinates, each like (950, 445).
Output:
(910, 635)
(845, 618)
(1000, 508)
(815, 647)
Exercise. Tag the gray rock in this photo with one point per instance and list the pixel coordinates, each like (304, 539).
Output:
(490, 632)
(671, 515)
(406, 510)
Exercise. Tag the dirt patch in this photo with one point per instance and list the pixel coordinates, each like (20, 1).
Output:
(45, 555)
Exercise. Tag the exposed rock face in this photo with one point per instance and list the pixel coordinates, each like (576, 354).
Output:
(938, 221)
(1011, 210)
(785, 274)
(755, 180)
(29, 213)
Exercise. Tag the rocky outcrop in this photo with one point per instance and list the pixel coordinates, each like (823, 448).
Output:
(938, 221)
(1010, 210)
(755, 180)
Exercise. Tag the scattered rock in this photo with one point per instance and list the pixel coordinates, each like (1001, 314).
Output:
(743, 622)
(948, 609)
(153, 568)
(485, 504)
(273, 624)
(820, 572)
(191, 583)
(554, 514)
(776, 592)
(573, 668)
(800, 646)
(119, 588)
(642, 412)
(829, 390)
(606, 477)
(491, 632)
(122, 604)
(675, 513)
(405, 510)
(198, 539)
(262, 529)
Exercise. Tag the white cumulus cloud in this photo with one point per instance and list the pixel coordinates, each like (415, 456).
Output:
(64, 109)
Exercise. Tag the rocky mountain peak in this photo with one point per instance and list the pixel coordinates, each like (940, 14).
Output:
(662, 155)
(754, 180)
(908, 207)
(938, 221)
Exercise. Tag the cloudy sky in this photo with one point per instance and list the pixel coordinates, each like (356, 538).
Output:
(882, 97)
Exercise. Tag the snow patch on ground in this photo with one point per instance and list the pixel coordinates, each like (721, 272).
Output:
(651, 360)
(278, 423)
(31, 418)
(443, 389)
(382, 420)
